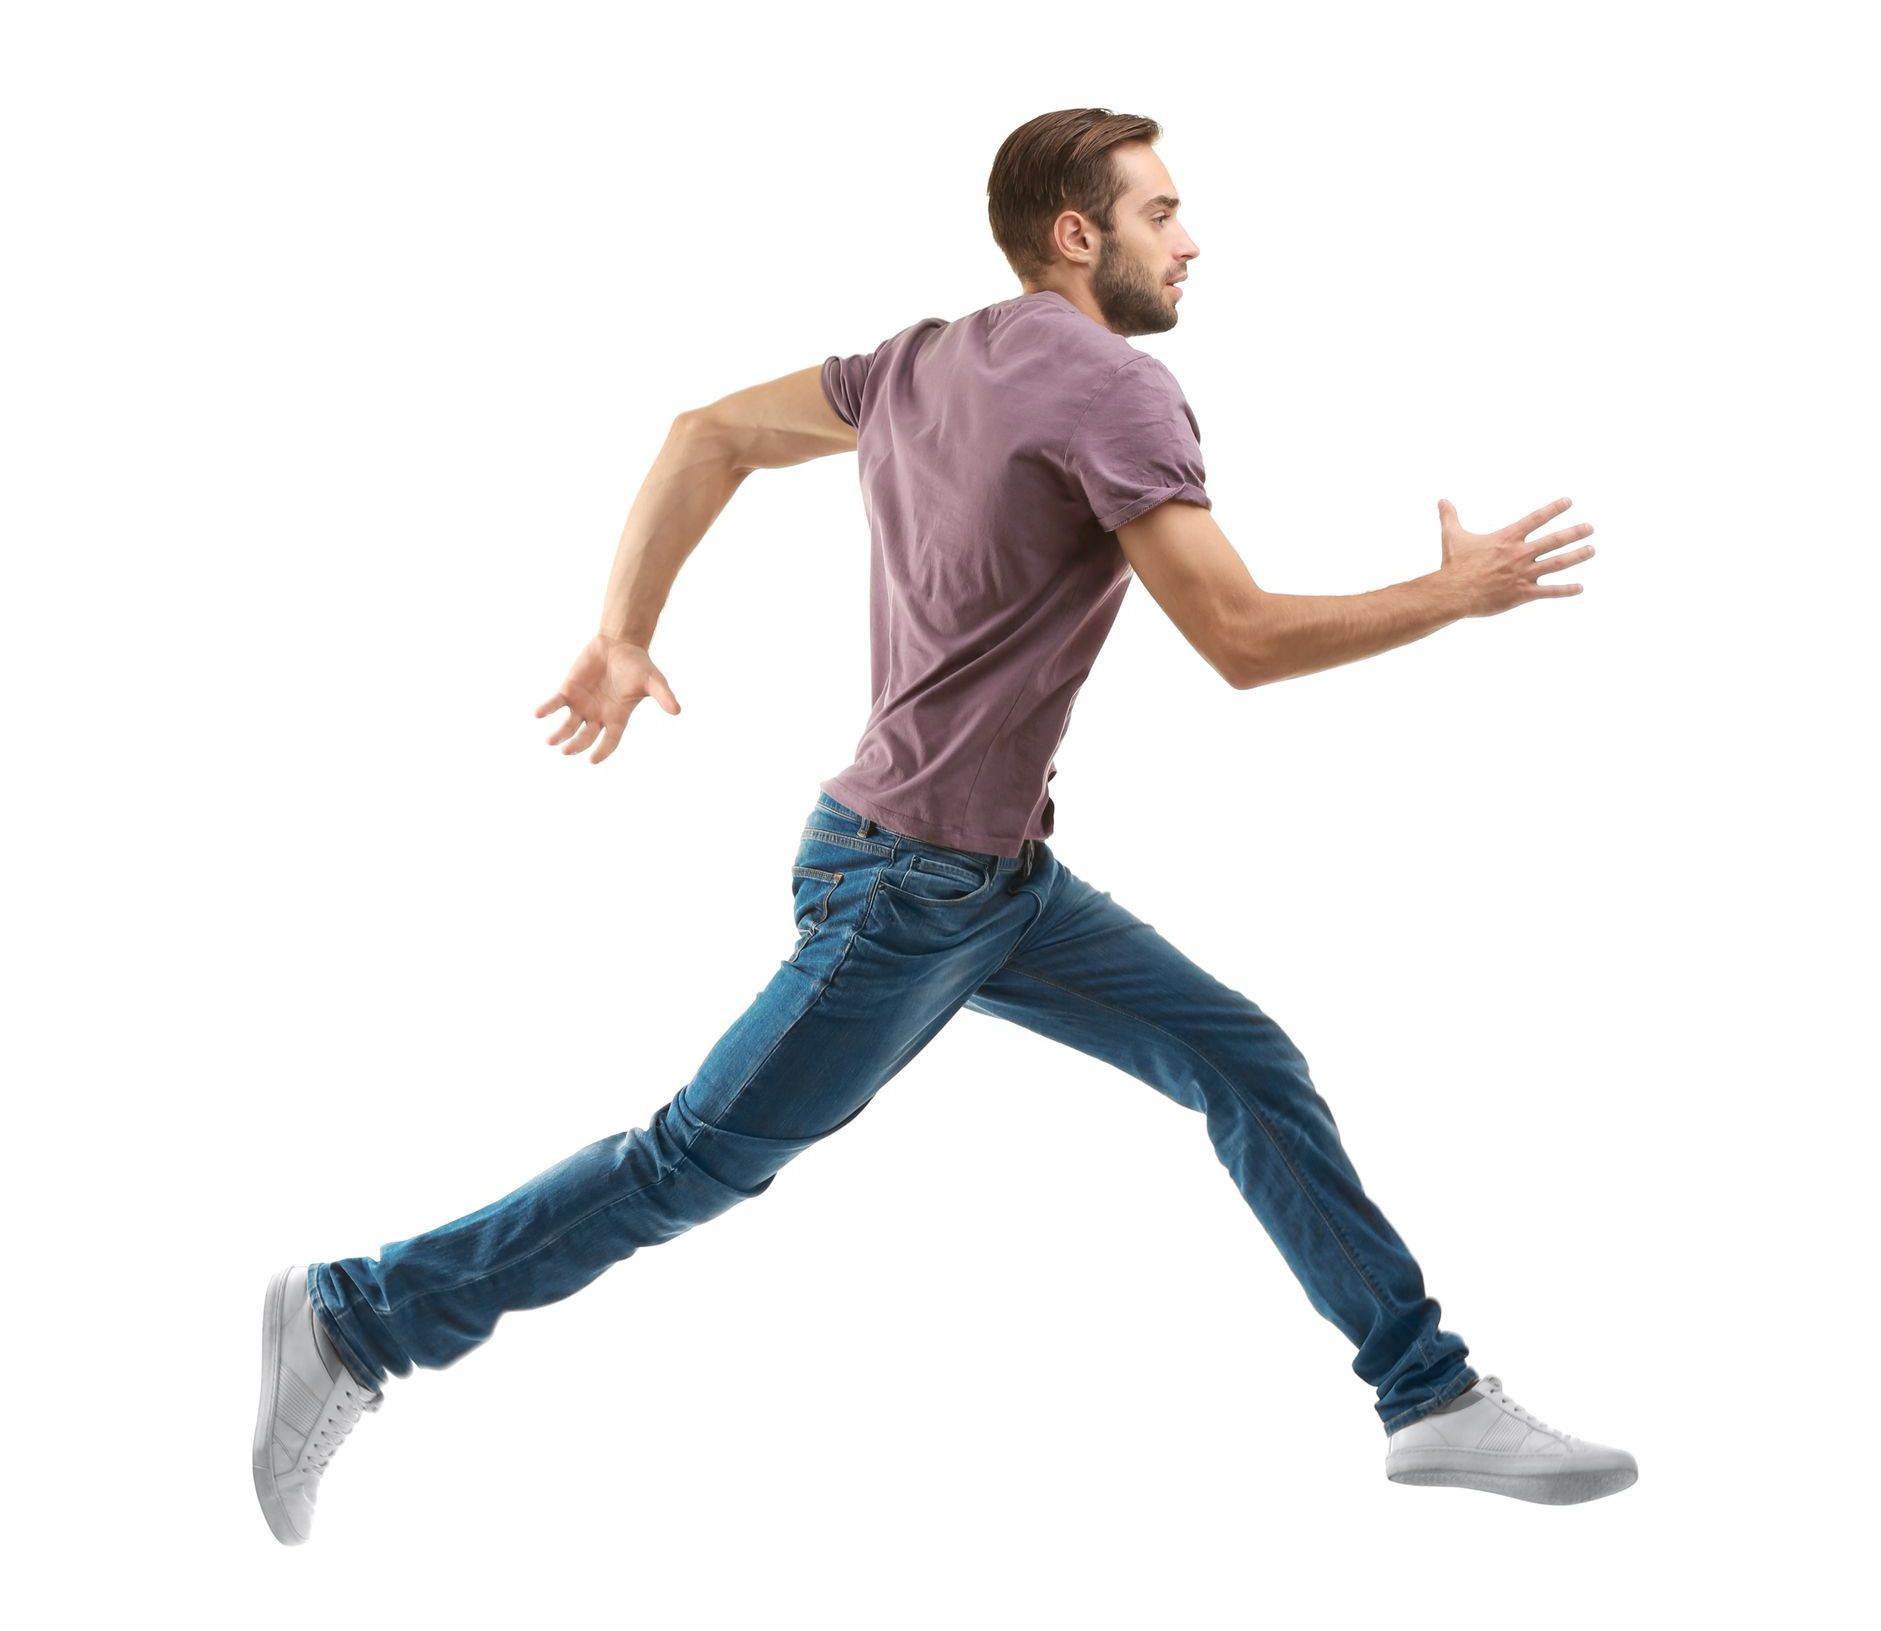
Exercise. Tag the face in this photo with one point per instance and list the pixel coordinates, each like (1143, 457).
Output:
(1131, 279)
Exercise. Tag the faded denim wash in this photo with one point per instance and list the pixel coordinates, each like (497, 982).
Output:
(894, 936)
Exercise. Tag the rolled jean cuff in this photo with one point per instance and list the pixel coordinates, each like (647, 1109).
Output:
(364, 1374)
(1467, 1380)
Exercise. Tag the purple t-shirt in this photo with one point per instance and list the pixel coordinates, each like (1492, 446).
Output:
(997, 454)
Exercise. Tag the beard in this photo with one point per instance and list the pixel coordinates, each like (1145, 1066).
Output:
(1131, 299)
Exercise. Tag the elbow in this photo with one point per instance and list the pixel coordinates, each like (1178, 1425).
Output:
(1246, 665)
(704, 435)
(1245, 636)
(1244, 674)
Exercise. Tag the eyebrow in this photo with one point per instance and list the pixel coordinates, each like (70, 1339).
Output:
(1163, 199)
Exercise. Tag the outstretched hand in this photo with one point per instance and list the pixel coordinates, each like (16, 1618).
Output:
(1497, 570)
(609, 680)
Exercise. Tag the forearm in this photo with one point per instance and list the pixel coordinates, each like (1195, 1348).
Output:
(1302, 634)
(690, 482)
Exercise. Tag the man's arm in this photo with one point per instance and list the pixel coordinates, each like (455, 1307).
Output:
(1251, 637)
(707, 454)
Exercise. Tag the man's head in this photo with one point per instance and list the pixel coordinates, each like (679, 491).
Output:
(1080, 203)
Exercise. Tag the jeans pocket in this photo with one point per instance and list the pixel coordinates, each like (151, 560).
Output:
(929, 877)
(810, 890)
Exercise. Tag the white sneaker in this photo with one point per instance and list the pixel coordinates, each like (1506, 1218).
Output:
(1484, 1440)
(309, 1403)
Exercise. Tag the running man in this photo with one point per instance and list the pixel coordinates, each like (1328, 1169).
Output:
(1018, 466)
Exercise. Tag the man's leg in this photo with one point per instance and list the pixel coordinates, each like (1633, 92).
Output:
(875, 974)
(1092, 975)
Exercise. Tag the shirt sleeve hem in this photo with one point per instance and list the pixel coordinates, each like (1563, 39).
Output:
(829, 396)
(1143, 503)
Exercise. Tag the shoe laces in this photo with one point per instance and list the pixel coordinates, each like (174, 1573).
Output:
(1494, 1384)
(343, 1414)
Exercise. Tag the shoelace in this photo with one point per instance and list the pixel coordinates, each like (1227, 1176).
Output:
(350, 1405)
(1494, 1384)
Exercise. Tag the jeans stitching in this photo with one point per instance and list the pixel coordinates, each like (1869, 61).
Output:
(685, 1149)
(818, 912)
(340, 1337)
(1405, 1417)
(1026, 933)
(974, 897)
(824, 835)
(685, 1159)
(1280, 1149)
(862, 922)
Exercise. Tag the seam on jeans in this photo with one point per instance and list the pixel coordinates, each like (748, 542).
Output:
(974, 897)
(1033, 924)
(830, 805)
(825, 836)
(1280, 1148)
(684, 1160)
(685, 1150)
(1404, 1418)
(862, 923)
(819, 914)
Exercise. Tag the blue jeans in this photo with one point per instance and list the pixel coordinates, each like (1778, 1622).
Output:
(894, 936)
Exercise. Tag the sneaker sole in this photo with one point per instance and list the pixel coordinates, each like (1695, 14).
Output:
(1547, 1488)
(265, 1490)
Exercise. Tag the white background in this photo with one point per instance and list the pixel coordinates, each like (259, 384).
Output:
(338, 341)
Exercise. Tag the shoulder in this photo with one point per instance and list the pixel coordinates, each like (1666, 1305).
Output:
(1134, 389)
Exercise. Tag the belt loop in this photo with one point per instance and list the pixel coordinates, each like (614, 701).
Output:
(1025, 866)
(863, 830)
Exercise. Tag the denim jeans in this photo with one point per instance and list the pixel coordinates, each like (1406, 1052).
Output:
(894, 936)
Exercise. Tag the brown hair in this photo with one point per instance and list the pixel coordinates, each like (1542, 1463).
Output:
(1056, 162)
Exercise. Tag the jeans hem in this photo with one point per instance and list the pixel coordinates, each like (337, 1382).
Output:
(1404, 1418)
(337, 1335)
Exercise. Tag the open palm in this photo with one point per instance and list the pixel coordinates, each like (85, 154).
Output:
(608, 681)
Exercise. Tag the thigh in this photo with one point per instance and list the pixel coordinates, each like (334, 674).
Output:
(891, 938)
(1093, 975)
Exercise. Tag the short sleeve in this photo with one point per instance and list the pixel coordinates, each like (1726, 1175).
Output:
(1137, 445)
(843, 382)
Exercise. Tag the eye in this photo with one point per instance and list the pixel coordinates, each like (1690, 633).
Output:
(1160, 218)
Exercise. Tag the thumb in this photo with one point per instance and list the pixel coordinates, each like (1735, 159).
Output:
(1446, 511)
(663, 694)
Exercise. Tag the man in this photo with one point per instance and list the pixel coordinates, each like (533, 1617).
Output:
(1018, 465)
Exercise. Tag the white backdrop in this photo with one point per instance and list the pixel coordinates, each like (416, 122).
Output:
(337, 343)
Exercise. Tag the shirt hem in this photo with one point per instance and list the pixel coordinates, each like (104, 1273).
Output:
(933, 832)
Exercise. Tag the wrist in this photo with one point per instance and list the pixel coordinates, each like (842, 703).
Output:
(638, 638)
(1453, 595)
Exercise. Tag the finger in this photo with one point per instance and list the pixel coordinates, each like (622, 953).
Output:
(554, 702)
(589, 729)
(1529, 522)
(1550, 590)
(1572, 559)
(1446, 512)
(610, 740)
(567, 727)
(1555, 540)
